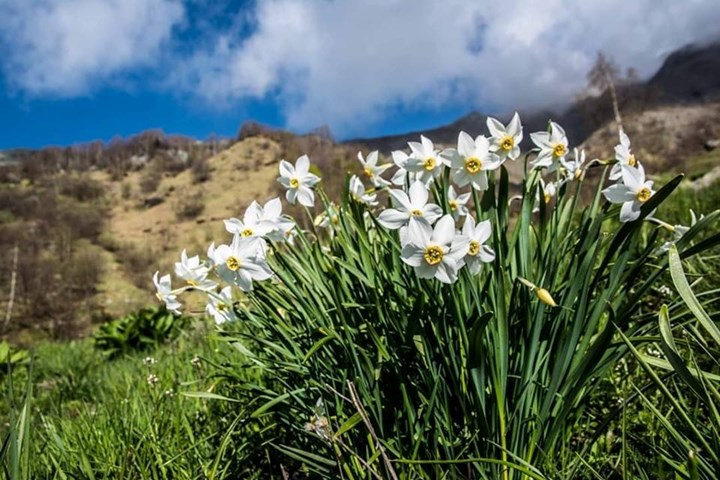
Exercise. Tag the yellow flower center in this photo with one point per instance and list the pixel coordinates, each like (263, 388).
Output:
(429, 164)
(559, 150)
(294, 182)
(453, 205)
(632, 161)
(473, 164)
(368, 172)
(232, 263)
(248, 232)
(643, 195)
(507, 143)
(474, 248)
(416, 212)
(547, 198)
(433, 254)
(222, 307)
(334, 219)
(192, 283)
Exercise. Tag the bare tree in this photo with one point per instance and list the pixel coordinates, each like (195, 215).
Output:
(604, 76)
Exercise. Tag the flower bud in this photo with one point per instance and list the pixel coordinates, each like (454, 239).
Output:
(545, 297)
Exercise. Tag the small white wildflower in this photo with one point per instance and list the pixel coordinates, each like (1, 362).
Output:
(152, 379)
(664, 290)
(149, 361)
(165, 293)
(357, 191)
(505, 141)
(299, 181)
(553, 147)
(435, 253)
(372, 170)
(632, 193)
(472, 160)
(241, 262)
(412, 206)
(458, 203)
(196, 361)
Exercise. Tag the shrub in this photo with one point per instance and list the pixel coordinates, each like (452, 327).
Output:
(200, 170)
(141, 331)
(189, 206)
(137, 261)
(150, 180)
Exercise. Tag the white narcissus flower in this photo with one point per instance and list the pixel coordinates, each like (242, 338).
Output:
(299, 181)
(472, 161)
(372, 170)
(624, 156)
(357, 191)
(406, 168)
(241, 262)
(220, 306)
(458, 203)
(426, 160)
(271, 214)
(553, 147)
(407, 207)
(505, 141)
(193, 272)
(478, 253)
(251, 224)
(435, 253)
(165, 293)
(632, 193)
(574, 168)
(549, 190)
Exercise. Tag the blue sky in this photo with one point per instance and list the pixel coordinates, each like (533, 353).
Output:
(80, 70)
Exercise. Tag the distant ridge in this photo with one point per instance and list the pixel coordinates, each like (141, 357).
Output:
(688, 76)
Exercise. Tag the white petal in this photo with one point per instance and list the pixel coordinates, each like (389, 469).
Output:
(302, 166)
(393, 219)
(466, 145)
(444, 230)
(496, 128)
(305, 196)
(432, 212)
(286, 169)
(412, 254)
(447, 271)
(629, 212)
(618, 193)
(418, 195)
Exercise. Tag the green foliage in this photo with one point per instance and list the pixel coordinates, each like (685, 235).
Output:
(690, 393)
(140, 331)
(479, 378)
(11, 357)
(76, 415)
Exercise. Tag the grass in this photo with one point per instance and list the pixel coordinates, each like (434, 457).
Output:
(94, 418)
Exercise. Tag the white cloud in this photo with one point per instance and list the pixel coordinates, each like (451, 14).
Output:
(348, 63)
(345, 63)
(67, 47)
